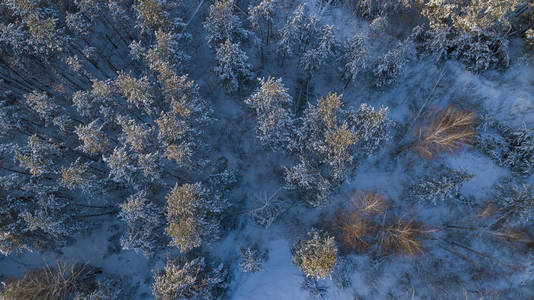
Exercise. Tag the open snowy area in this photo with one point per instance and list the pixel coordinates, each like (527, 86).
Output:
(266, 149)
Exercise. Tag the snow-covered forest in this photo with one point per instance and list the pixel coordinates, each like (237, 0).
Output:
(266, 149)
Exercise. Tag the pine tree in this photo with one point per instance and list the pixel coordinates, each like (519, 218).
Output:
(150, 14)
(223, 25)
(189, 279)
(77, 23)
(252, 259)
(356, 57)
(326, 136)
(192, 215)
(232, 66)
(121, 165)
(511, 147)
(389, 67)
(78, 176)
(35, 214)
(144, 221)
(292, 33)
(274, 120)
(151, 166)
(94, 140)
(136, 91)
(371, 126)
(313, 58)
(443, 186)
(315, 255)
(139, 138)
(308, 181)
(43, 105)
(261, 17)
(38, 155)
(515, 201)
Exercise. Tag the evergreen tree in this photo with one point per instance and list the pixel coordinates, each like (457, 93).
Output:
(274, 120)
(144, 221)
(326, 136)
(37, 156)
(261, 17)
(192, 215)
(136, 91)
(94, 140)
(150, 14)
(189, 279)
(389, 67)
(315, 255)
(356, 57)
(441, 187)
(138, 137)
(252, 259)
(515, 201)
(223, 25)
(121, 165)
(308, 181)
(232, 66)
(511, 147)
(43, 105)
(293, 32)
(371, 126)
(313, 58)
(78, 176)
(34, 215)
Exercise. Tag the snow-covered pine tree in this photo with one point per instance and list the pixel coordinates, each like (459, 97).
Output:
(292, 34)
(34, 214)
(150, 164)
(192, 215)
(515, 201)
(307, 180)
(150, 14)
(94, 140)
(136, 91)
(121, 164)
(139, 138)
(42, 104)
(316, 254)
(174, 133)
(313, 58)
(144, 222)
(355, 57)
(38, 156)
(190, 279)
(78, 176)
(389, 67)
(223, 25)
(511, 147)
(274, 121)
(261, 17)
(325, 136)
(232, 66)
(371, 126)
(252, 259)
(443, 186)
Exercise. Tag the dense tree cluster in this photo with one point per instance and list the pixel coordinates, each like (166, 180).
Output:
(156, 120)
